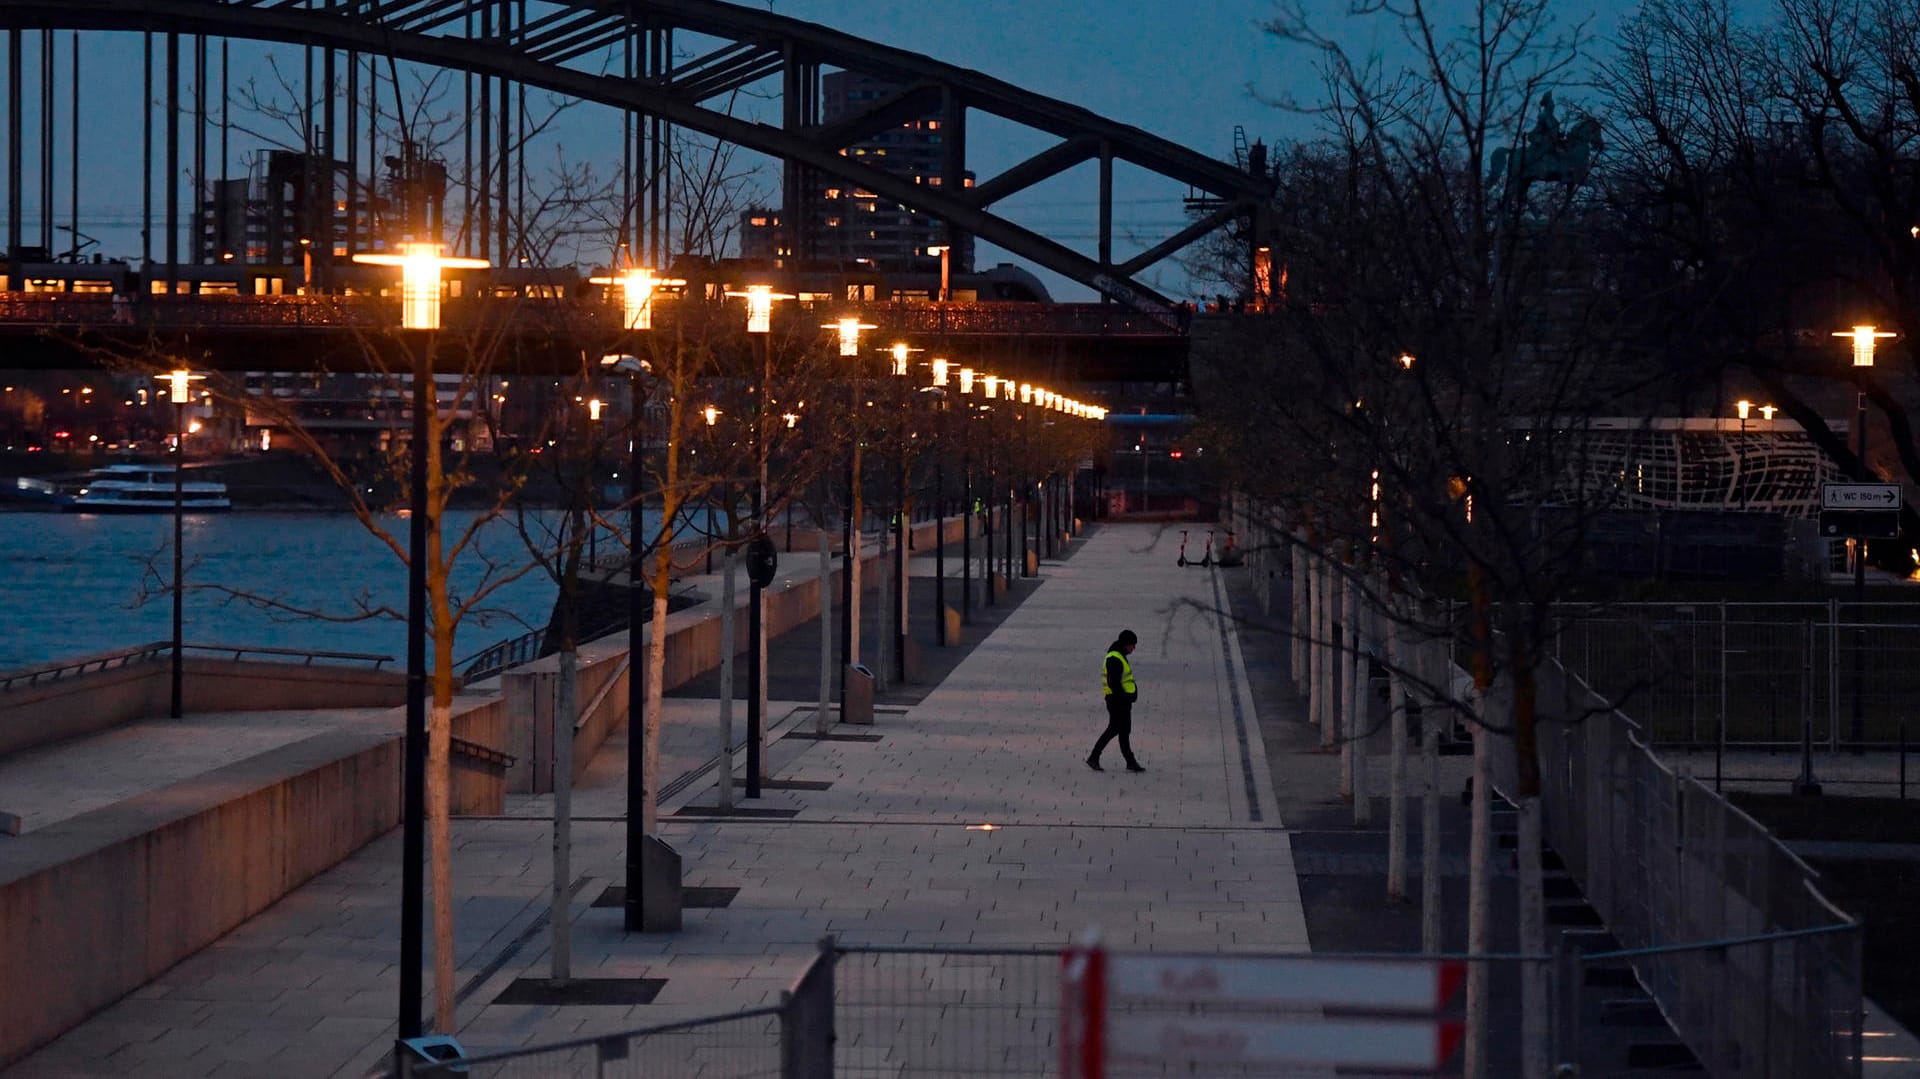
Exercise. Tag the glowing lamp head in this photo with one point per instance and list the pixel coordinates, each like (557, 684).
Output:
(421, 265)
(990, 386)
(966, 380)
(180, 385)
(1742, 407)
(939, 372)
(1406, 361)
(791, 418)
(712, 414)
(1026, 393)
(1767, 411)
(637, 286)
(593, 408)
(848, 331)
(760, 300)
(900, 351)
(1864, 339)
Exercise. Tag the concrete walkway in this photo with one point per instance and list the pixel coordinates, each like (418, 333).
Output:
(1187, 856)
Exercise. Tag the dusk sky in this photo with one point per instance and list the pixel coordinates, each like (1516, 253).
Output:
(1187, 72)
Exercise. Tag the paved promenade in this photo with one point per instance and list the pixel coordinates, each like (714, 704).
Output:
(1189, 855)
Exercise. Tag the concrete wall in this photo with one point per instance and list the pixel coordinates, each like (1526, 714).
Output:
(114, 897)
(48, 712)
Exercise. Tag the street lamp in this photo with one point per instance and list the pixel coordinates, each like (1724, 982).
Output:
(900, 353)
(1863, 338)
(945, 251)
(637, 286)
(1740, 479)
(760, 300)
(180, 392)
(420, 265)
(966, 494)
(633, 914)
(847, 330)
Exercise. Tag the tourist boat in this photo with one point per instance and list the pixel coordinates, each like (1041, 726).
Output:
(145, 489)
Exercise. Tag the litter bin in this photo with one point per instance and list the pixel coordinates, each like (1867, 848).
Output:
(856, 706)
(432, 1049)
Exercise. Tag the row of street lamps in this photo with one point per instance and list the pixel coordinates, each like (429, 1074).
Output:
(421, 267)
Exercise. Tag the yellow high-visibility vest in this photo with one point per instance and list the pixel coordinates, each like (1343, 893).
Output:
(1126, 674)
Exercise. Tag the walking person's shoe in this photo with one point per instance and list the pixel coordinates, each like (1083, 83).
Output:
(1095, 765)
(1134, 766)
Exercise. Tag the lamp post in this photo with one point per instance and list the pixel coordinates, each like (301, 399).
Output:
(179, 391)
(1864, 339)
(939, 389)
(900, 354)
(420, 267)
(847, 330)
(945, 251)
(966, 495)
(633, 913)
(760, 300)
(1740, 471)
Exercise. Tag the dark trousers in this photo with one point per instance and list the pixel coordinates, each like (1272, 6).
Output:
(1119, 725)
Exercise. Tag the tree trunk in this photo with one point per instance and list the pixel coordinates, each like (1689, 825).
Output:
(1480, 845)
(1535, 995)
(1353, 700)
(1397, 756)
(439, 747)
(729, 644)
(656, 677)
(820, 716)
(854, 511)
(1320, 704)
(883, 644)
(1301, 595)
(1430, 725)
(566, 710)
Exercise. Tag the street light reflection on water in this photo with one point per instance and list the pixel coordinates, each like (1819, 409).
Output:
(71, 581)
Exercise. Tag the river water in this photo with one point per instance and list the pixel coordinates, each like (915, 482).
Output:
(76, 584)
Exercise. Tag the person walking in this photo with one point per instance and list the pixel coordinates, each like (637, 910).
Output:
(1117, 684)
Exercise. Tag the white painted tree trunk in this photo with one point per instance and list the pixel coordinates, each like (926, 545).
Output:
(1323, 651)
(1302, 598)
(728, 643)
(825, 706)
(1437, 670)
(1364, 633)
(1479, 899)
(1535, 995)
(566, 709)
(884, 647)
(1311, 645)
(1397, 659)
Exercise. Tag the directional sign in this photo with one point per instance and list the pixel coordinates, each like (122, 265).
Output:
(1859, 496)
(1360, 984)
(1412, 1044)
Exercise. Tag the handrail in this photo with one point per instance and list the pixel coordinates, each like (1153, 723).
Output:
(308, 654)
(107, 661)
(1848, 926)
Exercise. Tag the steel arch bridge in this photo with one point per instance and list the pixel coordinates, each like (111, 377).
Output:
(552, 44)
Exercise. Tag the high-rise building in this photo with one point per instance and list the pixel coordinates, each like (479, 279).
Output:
(849, 225)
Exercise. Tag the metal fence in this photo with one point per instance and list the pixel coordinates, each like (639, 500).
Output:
(947, 1012)
(1690, 886)
(1760, 673)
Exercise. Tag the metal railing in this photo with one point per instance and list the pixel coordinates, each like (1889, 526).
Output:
(160, 650)
(1756, 970)
(1752, 674)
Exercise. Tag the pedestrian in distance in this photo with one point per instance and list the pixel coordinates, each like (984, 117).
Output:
(1117, 685)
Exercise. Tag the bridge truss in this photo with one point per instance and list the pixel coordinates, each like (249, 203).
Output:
(623, 54)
